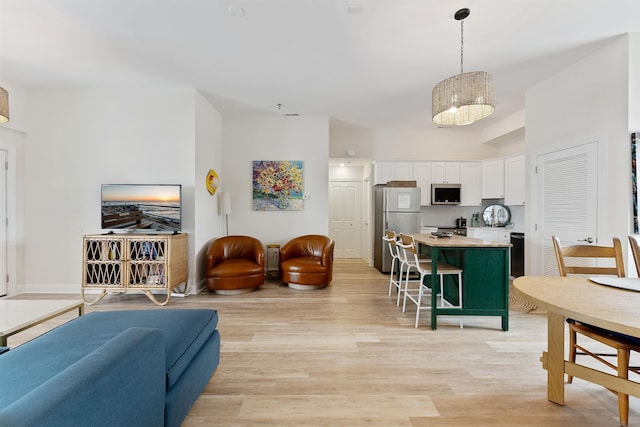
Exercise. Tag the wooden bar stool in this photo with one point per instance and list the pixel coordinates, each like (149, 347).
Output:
(424, 268)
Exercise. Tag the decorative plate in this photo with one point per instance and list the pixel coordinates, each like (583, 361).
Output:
(212, 182)
(496, 216)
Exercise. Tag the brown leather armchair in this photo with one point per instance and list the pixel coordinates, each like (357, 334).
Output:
(306, 262)
(235, 264)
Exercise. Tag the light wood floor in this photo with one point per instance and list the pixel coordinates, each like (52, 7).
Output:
(347, 356)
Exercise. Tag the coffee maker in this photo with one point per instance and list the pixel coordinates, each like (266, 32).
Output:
(461, 222)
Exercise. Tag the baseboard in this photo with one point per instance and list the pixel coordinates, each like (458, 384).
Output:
(52, 288)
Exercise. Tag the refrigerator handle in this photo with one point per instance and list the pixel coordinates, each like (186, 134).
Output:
(386, 213)
(386, 202)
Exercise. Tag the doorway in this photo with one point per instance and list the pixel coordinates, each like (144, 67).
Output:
(566, 190)
(345, 218)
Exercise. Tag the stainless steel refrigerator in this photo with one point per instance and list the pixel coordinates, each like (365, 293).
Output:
(396, 209)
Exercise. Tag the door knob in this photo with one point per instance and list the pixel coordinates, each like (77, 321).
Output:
(588, 240)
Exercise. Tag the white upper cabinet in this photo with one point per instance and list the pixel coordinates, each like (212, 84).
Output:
(493, 179)
(445, 172)
(514, 177)
(404, 171)
(384, 172)
(471, 183)
(487, 179)
(422, 176)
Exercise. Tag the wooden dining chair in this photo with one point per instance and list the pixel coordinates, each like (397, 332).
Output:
(578, 259)
(634, 242)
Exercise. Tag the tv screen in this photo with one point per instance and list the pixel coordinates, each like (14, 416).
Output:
(142, 207)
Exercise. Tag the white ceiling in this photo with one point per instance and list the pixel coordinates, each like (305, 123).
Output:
(370, 63)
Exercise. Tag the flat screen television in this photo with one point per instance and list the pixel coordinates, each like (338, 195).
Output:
(141, 207)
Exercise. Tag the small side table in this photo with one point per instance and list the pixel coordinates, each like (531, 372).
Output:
(273, 261)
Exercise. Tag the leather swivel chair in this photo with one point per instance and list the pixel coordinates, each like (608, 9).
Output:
(306, 262)
(235, 264)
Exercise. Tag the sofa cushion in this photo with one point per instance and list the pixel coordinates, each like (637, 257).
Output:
(120, 383)
(184, 332)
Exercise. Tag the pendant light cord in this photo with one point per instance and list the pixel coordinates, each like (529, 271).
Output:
(461, 46)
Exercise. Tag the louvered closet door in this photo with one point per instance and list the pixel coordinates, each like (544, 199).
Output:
(567, 194)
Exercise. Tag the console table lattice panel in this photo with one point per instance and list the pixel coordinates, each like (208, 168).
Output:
(143, 263)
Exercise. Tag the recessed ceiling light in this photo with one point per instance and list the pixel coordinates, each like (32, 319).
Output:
(354, 10)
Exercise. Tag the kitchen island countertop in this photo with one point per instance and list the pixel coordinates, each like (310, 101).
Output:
(456, 241)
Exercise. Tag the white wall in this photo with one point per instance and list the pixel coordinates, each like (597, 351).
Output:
(303, 138)
(81, 138)
(347, 172)
(634, 82)
(589, 98)
(462, 143)
(510, 144)
(208, 155)
(18, 104)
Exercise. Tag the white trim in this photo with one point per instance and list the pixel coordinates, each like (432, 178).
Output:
(533, 234)
(12, 242)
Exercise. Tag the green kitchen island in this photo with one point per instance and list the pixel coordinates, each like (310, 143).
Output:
(485, 276)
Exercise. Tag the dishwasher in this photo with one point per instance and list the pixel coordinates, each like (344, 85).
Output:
(517, 254)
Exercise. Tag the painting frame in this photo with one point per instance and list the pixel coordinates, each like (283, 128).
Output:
(277, 185)
(634, 182)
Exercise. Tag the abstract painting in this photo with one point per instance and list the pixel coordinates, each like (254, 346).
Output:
(277, 185)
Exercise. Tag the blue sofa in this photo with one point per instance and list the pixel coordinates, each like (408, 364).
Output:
(117, 368)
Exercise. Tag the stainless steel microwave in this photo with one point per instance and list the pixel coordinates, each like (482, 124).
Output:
(445, 194)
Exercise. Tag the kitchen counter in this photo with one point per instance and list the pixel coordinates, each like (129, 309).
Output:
(515, 229)
(485, 276)
(456, 241)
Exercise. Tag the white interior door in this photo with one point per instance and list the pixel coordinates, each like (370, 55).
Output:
(345, 218)
(567, 201)
(3, 222)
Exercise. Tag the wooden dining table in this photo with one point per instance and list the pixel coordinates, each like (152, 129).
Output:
(583, 300)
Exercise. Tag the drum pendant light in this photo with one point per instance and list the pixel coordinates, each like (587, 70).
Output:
(465, 97)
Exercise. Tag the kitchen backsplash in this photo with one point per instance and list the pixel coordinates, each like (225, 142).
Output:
(447, 215)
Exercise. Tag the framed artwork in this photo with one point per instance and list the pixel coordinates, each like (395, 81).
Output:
(634, 181)
(277, 185)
